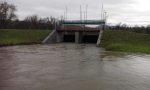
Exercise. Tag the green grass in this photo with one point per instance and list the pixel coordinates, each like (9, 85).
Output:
(126, 41)
(19, 37)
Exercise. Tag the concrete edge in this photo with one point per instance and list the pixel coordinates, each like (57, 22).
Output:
(99, 38)
(48, 37)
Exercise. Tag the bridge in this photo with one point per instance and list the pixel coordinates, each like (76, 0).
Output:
(77, 31)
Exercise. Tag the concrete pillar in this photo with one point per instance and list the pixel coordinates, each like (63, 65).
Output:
(59, 37)
(78, 37)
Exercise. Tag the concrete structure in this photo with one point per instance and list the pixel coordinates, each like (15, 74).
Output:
(78, 29)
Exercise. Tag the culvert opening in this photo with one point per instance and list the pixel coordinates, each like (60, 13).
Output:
(90, 38)
(69, 38)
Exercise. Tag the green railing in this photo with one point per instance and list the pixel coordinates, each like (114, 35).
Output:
(83, 22)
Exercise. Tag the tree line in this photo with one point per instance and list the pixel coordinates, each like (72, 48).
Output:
(9, 19)
(136, 28)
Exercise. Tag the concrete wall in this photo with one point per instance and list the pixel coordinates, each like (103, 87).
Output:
(57, 37)
(54, 37)
(99, 38)
(51, 38)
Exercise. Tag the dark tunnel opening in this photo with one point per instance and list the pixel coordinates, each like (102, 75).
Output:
(85, 38)
(90, 39)
(69, 38)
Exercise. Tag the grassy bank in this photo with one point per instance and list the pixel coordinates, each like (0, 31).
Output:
(126, 41)
(18, 37)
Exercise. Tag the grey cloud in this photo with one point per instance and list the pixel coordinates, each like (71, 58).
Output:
(118, 10)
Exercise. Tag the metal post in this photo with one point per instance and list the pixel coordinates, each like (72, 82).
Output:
(80, 12)
(86, 12)
(105, 20)
(66, 12)
(64, 16)
(102, 12)
(84, 19)
(55, 26)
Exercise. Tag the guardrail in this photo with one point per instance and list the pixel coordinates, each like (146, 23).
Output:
(83, 22)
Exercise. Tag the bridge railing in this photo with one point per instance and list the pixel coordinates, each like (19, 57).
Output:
(80, 25)
(83, 22)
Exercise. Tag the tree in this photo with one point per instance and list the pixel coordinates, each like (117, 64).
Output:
(35, 22)
(32, 21)
(3, 10)
(118, 26)
(11, 14)
(148, 26)
(7, 13)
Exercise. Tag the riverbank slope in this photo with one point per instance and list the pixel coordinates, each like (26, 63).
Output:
(20, 37)
(125, 41)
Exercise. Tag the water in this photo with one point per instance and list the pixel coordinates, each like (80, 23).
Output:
(72, 67)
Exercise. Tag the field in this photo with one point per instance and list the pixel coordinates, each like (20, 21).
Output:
(126, 41)
(19, 37)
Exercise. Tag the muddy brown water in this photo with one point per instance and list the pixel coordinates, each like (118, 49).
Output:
(72, 67)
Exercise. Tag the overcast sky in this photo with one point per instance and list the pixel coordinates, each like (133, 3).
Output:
(133, 12)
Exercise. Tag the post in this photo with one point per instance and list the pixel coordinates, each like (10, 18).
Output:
(59, 37)
(66, 13)
(86, 12)
(80, 12)
(102, 12)
(78, 37)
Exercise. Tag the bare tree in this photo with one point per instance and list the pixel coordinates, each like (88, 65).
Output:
(11, 13)
(7, 11)
(4, 7)
(32, 21)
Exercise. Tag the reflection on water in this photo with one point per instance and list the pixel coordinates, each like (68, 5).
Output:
(72, 67)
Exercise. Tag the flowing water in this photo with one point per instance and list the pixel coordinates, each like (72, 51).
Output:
(72, 67)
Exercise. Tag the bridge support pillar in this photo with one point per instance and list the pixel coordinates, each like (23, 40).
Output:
(60, 36)
(78, 37)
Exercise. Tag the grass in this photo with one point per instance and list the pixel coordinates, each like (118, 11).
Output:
(20, 37)
(126, 41)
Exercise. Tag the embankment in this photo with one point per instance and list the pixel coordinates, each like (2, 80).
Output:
(21, 37)
(125, 41)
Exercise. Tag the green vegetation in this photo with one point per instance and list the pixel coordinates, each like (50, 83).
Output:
(126, 41)
(18, 37)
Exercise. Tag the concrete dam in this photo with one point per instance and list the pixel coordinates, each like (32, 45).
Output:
(76, 31)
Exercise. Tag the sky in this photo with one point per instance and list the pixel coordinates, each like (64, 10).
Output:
(131, 12)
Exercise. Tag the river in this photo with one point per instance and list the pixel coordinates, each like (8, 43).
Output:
(72, 67)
